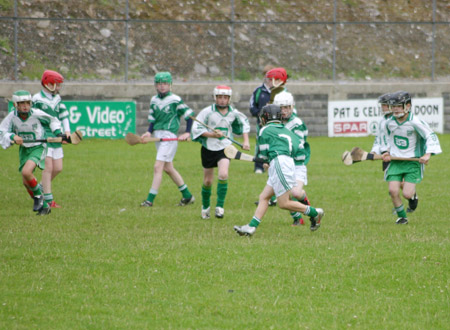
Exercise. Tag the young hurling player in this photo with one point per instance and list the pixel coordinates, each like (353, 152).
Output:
(49, 101)
(226, 121)
(278, 145)
(409, 137)
(260, 97)
(285, 101)
(25, 124)
(166, 109)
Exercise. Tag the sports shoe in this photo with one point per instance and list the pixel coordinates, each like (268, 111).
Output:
(146, 203)
(219, 212)
(412, 203)
(259, 171)
(273, 202)
(402, 221)
(186, 201)
(44, 211)
(53, 205)
(315, 221)
(206, 213)
(245, 230)
(38, 203)
(298, 222)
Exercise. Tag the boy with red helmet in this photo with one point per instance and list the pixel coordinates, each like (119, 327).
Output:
(49, 101)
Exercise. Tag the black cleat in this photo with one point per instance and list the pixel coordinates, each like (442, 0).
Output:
(315, 221)
(186, 201)
(146, 203)
(412, 203)
(44, 210)
(402, 221)
(38, 203)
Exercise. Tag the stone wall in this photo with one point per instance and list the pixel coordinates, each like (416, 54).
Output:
(311, 98)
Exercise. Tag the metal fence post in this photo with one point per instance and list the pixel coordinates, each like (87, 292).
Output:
(232, 40)
(334, 41)
(433, 44)
(16, 29)
(126, 38)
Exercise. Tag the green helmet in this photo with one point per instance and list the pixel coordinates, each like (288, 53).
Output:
(21, 96)
(163, 77)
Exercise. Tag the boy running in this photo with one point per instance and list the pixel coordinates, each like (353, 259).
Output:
(226, 121)
(49, 101)
(166, 109)
(277, 145)
(408, 137)
(21, 126)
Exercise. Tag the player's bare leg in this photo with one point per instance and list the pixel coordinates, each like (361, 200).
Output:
(187, 198)
(394, 191)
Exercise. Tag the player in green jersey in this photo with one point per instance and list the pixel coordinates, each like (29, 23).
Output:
(166, 109)
(22, 126)
(278, 145)
(49, 101)
(407, 137)
(292, 122)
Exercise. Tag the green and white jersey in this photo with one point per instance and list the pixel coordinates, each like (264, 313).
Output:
(298, 127)
(380, 138)
(232, 122)
(32, 128)
(412, 138)
(165, 113)
(52, 105)
(274, 140)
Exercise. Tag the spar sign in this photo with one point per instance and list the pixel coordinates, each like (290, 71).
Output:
(102, 119)
(361, 117)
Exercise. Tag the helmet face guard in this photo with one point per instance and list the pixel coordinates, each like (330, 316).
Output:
(278, 76)
(383, 101)
(222, 90)
(285, 100)
(270, 113)
(51, 80)
(400, 99)
(19, 97)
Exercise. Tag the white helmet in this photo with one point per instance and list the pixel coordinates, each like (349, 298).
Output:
(21, 96)
(222, 90)
(284, 99)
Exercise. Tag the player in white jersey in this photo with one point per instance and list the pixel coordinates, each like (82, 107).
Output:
(22, 126)
(380, 138)
(49, 101)
(166, 109)
(408, 137)
(292, 122)
(226, 121)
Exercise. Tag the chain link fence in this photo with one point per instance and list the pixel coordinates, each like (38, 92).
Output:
(126, 40)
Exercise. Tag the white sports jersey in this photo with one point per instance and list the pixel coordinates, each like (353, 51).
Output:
(233, 122)
(32, 128)
(50, 104)
(381, 137)
(412, 138)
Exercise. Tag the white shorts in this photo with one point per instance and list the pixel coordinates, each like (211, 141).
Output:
(282, 175)
(301, 174)
(55, 153)
(165, 151)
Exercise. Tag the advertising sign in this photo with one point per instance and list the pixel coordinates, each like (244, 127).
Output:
(361, 117)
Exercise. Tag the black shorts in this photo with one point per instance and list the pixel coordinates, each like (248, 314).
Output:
(211, 158)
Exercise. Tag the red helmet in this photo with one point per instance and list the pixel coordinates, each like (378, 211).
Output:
(277, 74)
(51, 77)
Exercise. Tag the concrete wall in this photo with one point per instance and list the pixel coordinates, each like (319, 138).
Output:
(311, 98)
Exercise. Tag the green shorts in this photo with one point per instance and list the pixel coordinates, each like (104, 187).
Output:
(35, 154)
(404, 171)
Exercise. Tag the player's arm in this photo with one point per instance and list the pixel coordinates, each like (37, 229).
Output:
(6, 133)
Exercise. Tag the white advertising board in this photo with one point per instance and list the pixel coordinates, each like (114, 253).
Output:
(361, 117)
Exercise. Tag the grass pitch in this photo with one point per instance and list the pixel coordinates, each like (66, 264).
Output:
(101, 261)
